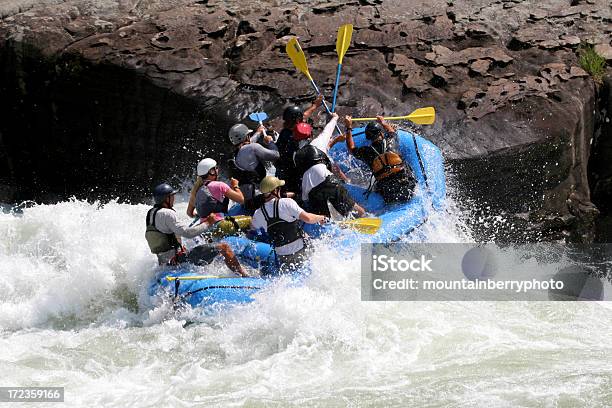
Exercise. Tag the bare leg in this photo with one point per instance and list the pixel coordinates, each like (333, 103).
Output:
(230, 259)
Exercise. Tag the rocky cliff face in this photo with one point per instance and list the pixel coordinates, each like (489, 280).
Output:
(114, 95)
(600, 169)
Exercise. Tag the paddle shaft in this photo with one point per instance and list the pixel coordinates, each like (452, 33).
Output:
(264, 129)
(343, 42)
(297, 56)
(316, 88)
(386, 118)
(333, 109)
(259, 117)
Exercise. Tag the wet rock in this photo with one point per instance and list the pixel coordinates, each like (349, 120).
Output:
(538, 15)
(80, 29)
(442, 29)
(177, 61)
(441, 76)
(414, 77)
(149, 77)
(605, 50)
(476, 30)
(529, 36)
(538, 84)
(559, 71)
(600, 171)
(480, 66)
(498, 94)
(176, 38)
(214, 24)
(444, 56)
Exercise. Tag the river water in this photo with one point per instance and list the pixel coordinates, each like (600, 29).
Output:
(74, 313)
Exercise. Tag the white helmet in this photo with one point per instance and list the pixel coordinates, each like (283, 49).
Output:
(238, 133)
(205, 165)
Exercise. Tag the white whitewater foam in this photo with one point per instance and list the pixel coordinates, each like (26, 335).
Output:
(74, 313)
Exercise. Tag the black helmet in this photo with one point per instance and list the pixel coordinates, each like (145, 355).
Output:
(293, 114)
(372, 130)
(162, 191)
(308, 156)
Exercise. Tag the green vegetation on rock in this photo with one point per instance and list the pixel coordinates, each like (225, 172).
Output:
(592, 62)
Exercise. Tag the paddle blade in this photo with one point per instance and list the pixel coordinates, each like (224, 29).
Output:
(295, 52)
(363, 225)
(344, 40)
(423, 116)
(258, 116)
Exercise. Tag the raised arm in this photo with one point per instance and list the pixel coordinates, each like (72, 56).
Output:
(267, 152)
(234, 192)
(322, 141)
(385, 125)
(313, 107)
(350, 143)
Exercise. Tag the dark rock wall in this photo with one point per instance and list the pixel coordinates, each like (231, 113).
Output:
(93, 129)
(600, 164)
(121, 94)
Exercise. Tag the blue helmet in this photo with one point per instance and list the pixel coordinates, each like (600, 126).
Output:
(162, 191)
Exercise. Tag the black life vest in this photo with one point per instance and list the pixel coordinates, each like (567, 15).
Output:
(246, 176)
(309, 156)
(281, 232)
(210, 204)
(331, 189)
(157, 240)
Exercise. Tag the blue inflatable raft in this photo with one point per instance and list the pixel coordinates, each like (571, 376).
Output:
(398, 220)
(185, 285)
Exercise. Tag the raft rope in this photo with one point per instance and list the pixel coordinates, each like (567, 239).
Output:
(418, 153)
(177, 284)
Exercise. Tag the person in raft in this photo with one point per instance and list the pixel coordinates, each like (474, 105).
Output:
(164, 231)
(280, 219)
(249, 162)
(287, 146)
(210, 196)
(319, 184)
(393, 177)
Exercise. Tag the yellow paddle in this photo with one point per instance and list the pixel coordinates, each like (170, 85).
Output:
(363, 225)
(295, 52)
(342, 43)
(297, 56)
(422, 116)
